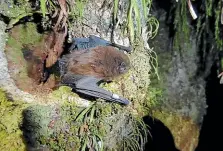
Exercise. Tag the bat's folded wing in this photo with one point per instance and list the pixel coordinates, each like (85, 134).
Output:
(94, 41)
(88, 85)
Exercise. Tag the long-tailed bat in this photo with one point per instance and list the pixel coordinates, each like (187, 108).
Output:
(91, 61)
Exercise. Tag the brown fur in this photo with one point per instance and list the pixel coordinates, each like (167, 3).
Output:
(35, 66)
(101, 62)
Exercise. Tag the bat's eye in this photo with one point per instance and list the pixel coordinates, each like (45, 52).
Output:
(122, 67)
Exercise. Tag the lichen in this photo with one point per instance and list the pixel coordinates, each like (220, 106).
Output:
(65, 93)
(11, 137)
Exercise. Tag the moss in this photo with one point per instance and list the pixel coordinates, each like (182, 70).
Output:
(156, 90)
(65, 136)
(218, 32)
(69, 127)
(182, 33)
(52, 126)
(185, 132)
(12, 10)
(22, 38)
(62, 90)
(23, 35)
(65, 94)
(11, 117)
(35, 123)
(19, 37)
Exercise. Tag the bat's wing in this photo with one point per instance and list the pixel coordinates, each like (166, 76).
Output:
(97, 41)
(94, 41)
(86, 43)
(79, 44)
(88, 85)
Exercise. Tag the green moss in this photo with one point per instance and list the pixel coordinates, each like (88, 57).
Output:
(23, 35)
(11, 117)
(218, 33)
(69, 127)
(12, 10)
(185, 132)
(155, 93)
(52, 126)
(20, 36)
(28, 34)
(35, 124)
(182, 35)
(63, 90)
(66, 130)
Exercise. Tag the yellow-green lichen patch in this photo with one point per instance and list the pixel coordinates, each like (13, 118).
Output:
(65, 94)
(11, 136)
(185, 132)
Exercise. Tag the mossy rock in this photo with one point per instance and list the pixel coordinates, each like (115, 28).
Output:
(185, 132)
(11, 136)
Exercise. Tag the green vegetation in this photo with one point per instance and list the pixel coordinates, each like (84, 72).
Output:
(102, 125)
(68, 127)
(207, 25)
(138, 11)
(77, 9)
(185, 132)
(19, 38)
(181, 25)
(11, 137)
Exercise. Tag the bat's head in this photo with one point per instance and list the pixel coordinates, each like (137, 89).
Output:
(115, 62)
(120, 64)
(122, 68)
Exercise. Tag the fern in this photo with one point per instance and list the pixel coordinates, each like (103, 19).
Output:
(43, 7)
